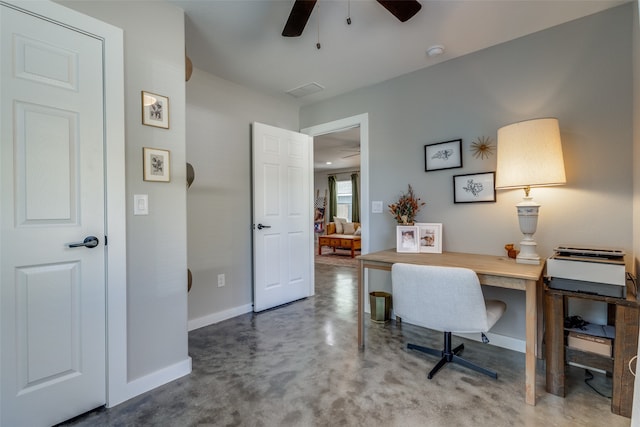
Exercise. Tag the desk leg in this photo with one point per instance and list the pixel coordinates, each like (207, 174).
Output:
(554, 338)
(531, 338)
(361, 305)
(625, 347)
(540, 314)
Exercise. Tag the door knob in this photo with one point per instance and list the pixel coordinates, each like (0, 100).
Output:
(88, 242)
(260, 226)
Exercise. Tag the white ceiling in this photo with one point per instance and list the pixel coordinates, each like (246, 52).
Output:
(342, 149)
(240, 41)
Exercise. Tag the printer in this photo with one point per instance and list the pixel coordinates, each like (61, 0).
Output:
(593, 270)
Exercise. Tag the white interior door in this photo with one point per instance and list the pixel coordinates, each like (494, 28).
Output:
(52, 296)
(282, 216)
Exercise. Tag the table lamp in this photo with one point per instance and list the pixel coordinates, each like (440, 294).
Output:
(529, 154)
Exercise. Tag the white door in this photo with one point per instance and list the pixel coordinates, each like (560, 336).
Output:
(52, 296)
(282, 216)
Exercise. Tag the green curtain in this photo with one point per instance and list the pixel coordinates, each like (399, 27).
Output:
(333, 198)
(355, 199)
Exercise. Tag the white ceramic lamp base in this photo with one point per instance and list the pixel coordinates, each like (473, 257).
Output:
(528, 220)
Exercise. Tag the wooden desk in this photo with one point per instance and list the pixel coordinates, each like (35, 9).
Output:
(492, 270)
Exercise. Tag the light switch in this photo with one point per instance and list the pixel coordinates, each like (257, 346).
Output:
(376, 206)
(140, 204)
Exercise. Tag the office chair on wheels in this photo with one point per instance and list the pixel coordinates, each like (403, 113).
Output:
(447, 299)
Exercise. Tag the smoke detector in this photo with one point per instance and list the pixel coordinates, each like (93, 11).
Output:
(435, 50)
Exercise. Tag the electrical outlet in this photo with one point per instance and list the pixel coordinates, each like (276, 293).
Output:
(220, 280)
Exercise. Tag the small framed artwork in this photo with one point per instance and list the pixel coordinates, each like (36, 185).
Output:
(475, 187)
(443, 155)
(155, 110)
(156, 165)
(407, 238)
(430, 237)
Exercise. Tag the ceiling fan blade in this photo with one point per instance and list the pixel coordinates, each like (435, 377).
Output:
(298, 18)
(401, 9)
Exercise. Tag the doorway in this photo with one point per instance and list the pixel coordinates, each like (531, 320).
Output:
(349, 124)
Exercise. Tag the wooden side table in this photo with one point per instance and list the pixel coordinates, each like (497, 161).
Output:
(626, 313)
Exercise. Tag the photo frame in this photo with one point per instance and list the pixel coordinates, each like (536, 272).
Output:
(443, 155)
(474, 187)
(156, 164)
(430, 237)
(407, 239)
(155, 110)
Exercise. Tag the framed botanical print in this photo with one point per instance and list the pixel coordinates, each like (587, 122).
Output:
(475, 187)
(155, 110)
(156, 165)
(443, 155)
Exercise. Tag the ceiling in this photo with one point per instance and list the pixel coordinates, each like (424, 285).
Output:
(341, 149)
(240, 41)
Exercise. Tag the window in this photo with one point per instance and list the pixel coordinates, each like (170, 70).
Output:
(344, 199)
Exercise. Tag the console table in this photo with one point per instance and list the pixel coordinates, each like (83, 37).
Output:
(624, 348)
(492, 270)
(345, 241)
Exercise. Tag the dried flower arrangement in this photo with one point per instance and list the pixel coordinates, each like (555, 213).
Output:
(405, 209)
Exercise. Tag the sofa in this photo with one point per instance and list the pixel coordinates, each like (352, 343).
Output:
(343, 236)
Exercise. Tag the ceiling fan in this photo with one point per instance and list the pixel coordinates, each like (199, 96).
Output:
(401, 9)
(355, 150)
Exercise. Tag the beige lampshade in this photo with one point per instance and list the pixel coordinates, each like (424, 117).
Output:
(529, 153)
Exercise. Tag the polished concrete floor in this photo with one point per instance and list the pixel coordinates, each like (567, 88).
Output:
(299, 365)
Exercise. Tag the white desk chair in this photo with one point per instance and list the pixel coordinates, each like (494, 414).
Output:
(447, 299)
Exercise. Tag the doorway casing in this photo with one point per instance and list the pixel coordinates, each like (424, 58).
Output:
(361, 121)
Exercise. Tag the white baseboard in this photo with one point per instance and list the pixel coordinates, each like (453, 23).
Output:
(503, 341)
(214, 318)
(153, 380)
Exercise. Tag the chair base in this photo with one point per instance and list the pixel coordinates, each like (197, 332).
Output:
(450, 356)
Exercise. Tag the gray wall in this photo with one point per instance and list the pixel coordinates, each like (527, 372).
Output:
(219, 115)
(156, 244)
(636, 135)
(579, 72)
(635, 417)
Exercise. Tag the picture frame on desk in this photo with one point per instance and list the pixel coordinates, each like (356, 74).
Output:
(430, 237)
(443, 155)
(407, 239)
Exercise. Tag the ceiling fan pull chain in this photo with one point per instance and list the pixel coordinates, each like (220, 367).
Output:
(348, 12)
(318, 46)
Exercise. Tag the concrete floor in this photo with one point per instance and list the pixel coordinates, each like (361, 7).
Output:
(299, 365)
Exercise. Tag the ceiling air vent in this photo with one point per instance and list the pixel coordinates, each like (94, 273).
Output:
(305, 90)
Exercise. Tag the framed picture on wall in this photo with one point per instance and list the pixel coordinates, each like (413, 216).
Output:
(430, 235)
(155, 110)
(156, 165)
(443, 155)
(407, 238)
(475, 187)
